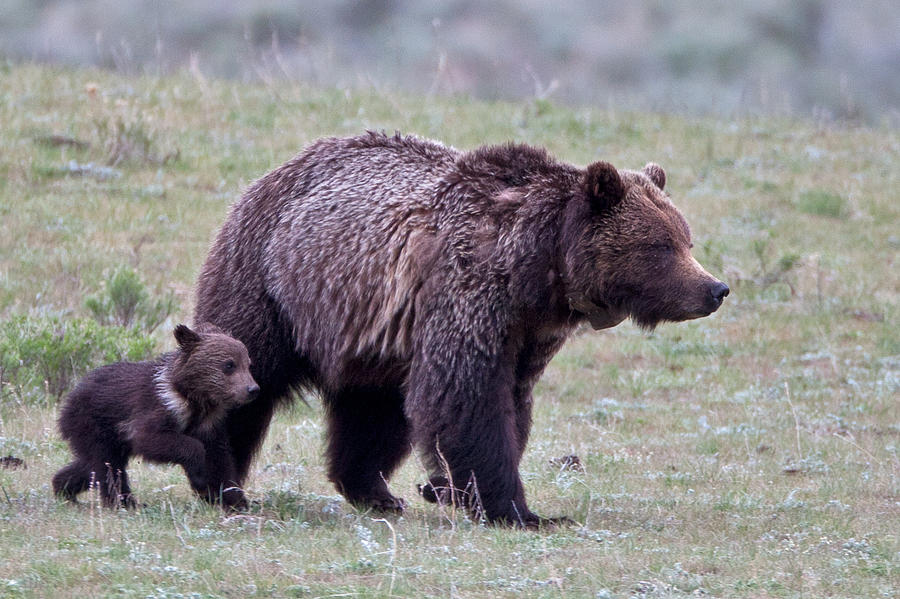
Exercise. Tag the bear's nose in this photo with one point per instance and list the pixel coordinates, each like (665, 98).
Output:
(252, 392)
(718, 291)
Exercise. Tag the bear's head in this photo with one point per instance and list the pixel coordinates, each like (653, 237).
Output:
(211, 370)
(628, 252)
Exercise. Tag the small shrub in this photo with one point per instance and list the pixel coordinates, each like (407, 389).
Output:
(125, 302)
(126, 133)
(769, 273)
(822, 203)
(42, 357)
(124, 139)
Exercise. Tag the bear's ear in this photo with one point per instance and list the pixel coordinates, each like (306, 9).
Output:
(656, 174)
(186, 338)
(603, 186)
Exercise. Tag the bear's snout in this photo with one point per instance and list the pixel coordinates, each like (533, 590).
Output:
(253, 390)
(717, 292)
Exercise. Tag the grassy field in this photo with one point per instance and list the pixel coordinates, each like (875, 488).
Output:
(755, 453)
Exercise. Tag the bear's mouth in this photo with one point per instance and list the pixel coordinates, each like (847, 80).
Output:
(648, 317)
(649, 307)
(649, 320)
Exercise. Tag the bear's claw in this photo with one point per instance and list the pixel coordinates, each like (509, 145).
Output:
(389, 504)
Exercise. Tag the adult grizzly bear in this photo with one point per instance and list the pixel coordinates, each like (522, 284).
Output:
(422, 290)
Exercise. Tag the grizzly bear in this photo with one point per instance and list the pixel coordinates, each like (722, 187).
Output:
(168, 411)
(421, 290)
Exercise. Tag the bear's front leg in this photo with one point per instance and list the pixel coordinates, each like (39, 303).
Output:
(462, 408)
(222, 482)
(473, 459)
(168, 447)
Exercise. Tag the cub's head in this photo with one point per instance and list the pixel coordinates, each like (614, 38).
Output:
(628, 252)
(212, 369)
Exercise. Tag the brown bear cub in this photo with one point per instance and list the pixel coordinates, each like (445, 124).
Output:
(169, 410)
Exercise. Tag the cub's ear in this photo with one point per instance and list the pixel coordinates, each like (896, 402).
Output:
(186, 338)
(656, 174)
(603, 186)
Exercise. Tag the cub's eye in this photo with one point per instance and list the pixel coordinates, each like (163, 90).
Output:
(663, 247)
(229, 367)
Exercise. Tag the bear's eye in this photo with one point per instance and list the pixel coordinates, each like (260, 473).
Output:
(229, 367)
(662, 247)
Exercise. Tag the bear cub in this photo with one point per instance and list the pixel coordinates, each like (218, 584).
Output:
(168, 410)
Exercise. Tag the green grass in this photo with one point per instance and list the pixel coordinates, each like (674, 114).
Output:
(822, 203)
(754, 453)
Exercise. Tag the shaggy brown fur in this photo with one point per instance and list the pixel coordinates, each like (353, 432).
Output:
(422, 290)
(165, 411)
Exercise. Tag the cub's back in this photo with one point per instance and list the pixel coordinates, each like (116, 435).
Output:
(107, 396)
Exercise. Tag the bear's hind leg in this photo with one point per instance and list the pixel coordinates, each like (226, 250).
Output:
(368, 437)
(71, 480)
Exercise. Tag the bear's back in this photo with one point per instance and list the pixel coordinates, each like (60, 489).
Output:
(355, 239)
(346, 239)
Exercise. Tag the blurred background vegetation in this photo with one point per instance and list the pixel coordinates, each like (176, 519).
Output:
(828, 59)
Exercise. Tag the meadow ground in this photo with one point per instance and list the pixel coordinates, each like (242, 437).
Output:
(755, 453)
